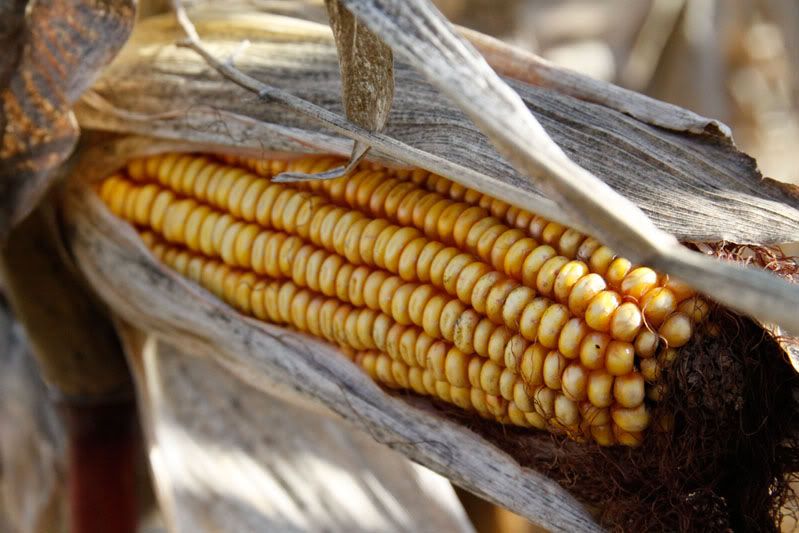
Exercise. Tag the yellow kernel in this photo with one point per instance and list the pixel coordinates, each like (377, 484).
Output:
(517, 416)
(619, 358)
(514, 259)
(531, 318)
(681, 290)
(568, 276)
(554, 364)
(503, 245)
(632, 439)
(443, 391)
(468, 278)
(466, 221)
(599, 313)
(574, 382)
(552, 322)
(418, 301)
(497, 342)
(497, 296)
(696, 308)
(657, 304)
(626, 322)
(544, 402)
(515, 304)
(535, 420)
(482, 288)
(630, 419)
(617, 271)
(566, 411)
(592, 350)
(629, 390)
(571, 337)
(439, 265)
(489, 378)
(531, 367)
(676, 330)
(583, 293)
(465, 329)
(507, 382)
(432, 314)
(461, 396)
(456, 368)
(521, 398)
(514, 349)
(482, 336)
(545, 281)
(600, 260)
(408, 260)
(478, 400)
(453, 271)
(638, 282)
(646, 343)
(552, 232)
(497, 406)
(593, 415)
(394, 248)
(600, 388)
(537, 225)
(570, 242)
(533, 263)
(449, 318)
(587, 248)
(436, 360)
(485, 245)
(386, 295)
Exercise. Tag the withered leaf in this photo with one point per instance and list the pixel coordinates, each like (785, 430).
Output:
(51, 54)
(367, 70)
(367, 82)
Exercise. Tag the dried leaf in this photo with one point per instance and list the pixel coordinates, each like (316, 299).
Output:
(222, 466)
(50, 55)
(367, 75)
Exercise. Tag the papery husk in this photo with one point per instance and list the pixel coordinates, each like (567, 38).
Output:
(227, 457)
(726, 463)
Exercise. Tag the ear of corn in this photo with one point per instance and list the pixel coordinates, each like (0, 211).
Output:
(427, 285)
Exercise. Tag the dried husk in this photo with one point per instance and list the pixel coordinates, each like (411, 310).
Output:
(220, 465)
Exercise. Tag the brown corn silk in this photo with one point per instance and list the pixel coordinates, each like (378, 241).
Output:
(427, 285)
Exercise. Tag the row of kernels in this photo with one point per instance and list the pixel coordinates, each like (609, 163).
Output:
(336, 228)
(542, 268)
(342, 323)
(339, 323)
(242, 244)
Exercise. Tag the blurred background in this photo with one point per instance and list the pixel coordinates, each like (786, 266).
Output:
(732, 60)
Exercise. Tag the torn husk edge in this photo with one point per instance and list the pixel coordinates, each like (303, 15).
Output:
(732, 447)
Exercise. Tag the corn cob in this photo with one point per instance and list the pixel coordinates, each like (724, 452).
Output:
(497, 324)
